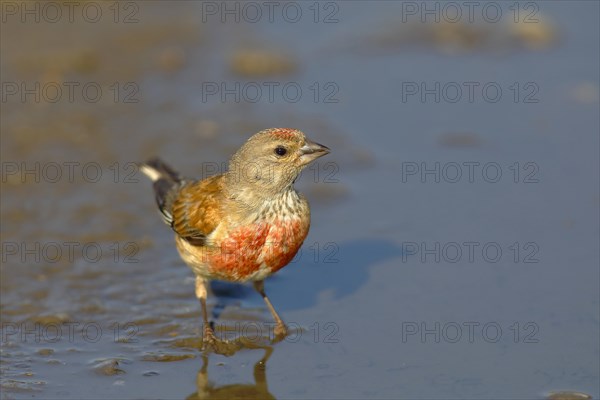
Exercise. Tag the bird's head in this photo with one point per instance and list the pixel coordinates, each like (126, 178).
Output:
(272, 159)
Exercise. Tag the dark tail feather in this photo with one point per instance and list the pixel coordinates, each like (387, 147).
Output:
(166, 183)
(156, 169)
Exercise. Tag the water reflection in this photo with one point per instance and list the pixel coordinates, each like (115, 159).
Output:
(258, 390)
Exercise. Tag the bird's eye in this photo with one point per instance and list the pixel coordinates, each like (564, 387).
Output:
(280, 150)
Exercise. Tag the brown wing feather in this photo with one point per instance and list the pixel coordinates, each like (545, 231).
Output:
(197, 209)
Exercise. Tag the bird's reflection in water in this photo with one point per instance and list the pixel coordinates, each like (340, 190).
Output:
(258, 390)
(230, 340)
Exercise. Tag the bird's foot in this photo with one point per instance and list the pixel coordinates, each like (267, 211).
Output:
(281, 331)
(212, 344)
(209, 340)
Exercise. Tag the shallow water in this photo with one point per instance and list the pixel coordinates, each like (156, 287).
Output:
(453, 251)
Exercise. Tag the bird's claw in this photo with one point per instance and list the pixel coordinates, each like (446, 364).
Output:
(209, 340)
(281, 332)
(211, 344)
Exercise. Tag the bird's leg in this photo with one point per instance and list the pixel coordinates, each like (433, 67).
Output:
(208, 336)
(280, 328)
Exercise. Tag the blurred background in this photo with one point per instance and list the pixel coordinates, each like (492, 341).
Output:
(454, 247)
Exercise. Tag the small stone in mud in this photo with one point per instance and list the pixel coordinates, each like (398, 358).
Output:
(150, 373)
(45, 352)
(108, 368)
(567, 395)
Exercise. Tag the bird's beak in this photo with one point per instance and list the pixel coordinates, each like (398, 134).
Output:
(311, 151)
